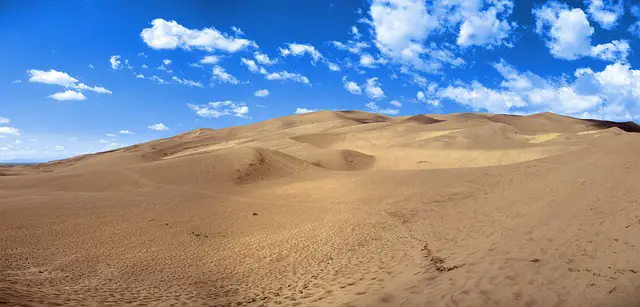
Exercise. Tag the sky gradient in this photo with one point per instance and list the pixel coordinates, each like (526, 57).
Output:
(88, 76)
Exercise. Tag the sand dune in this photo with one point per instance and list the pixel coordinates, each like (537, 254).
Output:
(340, 208)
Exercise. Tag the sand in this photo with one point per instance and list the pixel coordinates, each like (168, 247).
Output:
(335, 209)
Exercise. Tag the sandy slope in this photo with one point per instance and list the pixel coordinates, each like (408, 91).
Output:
(335, 209)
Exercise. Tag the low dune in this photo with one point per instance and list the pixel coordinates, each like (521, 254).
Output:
(342, 208)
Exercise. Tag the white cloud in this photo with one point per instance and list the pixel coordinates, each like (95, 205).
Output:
(144, 66)
(613, 93)
(616, 50)
(125, 132)
(262, 93)
(373, 107)
(91, 66)
(421, 97)
(367, 60)
(300, 50)
(220, 108)
(395, 103)
(18, 141)
(171, 35)
(9, 131)
(263, 59)
(373, 90)
(51, 77)
(351, 86)
(401, 28)
(158, 127)
(142, 54)
(186, 82)
(237, 30)
(115, 62)
(251, 65)
(355, 32)
(63, 79)
(68, 95)
(605, 12)
(164, 67)
(485, 28)
(223, 76)
(263, 71)
(140, 76)
(4, 120)
(157, 79)
(110, 135)
(166, 62)
(16, 81)
(568, 34)
(333, 66)
(479, 97)
(351, 46)
(97, 89)
(58, 147)
(304, 110)
(285, 75)
(210, 59)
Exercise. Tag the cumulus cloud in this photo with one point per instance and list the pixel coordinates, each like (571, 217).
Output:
(263, 59)
(166, 62)
(486, 28)
(355, 32)
(616, 50)
(401, 28)
(237, 30)
(613, 93)
(367, 60)
(210, 59)
(68, 95)
(373, 89)
(395, 103)
(351, 46)
(220, 108)
(170, 35)
(262, 93)
(186, 82)
(222, 76)
(373, 107)
(251, 65)
(91, 66)
(115, 62)
(125, 132)
(55, 77)
(158, 127)
(333, 66)
(605, 12)
(295, 49)
(4, 120)
(478, 97)
(285, 75)
(351, 86)
(304, 110)
(9, 131)
(51, 77)
(568, 34)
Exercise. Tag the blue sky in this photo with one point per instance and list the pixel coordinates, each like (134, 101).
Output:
(87, 76)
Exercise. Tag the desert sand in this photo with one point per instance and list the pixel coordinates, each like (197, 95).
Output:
(335, 209)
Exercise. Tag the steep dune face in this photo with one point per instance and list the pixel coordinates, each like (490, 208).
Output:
(340, 208)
